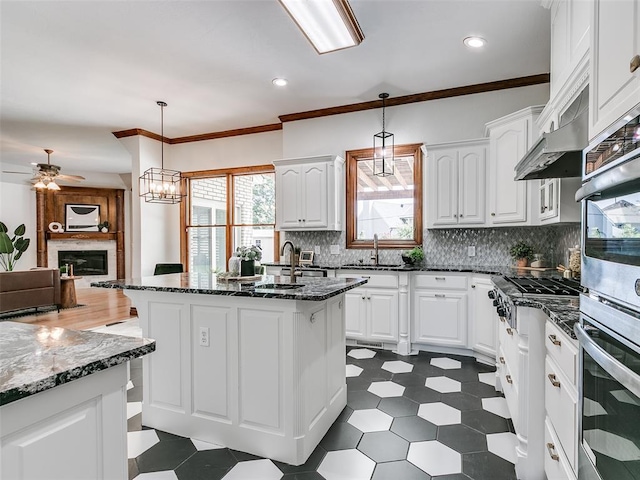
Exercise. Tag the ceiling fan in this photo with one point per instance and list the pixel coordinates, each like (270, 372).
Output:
(47, 174)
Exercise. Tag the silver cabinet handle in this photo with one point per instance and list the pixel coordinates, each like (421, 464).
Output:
(440, 278)
(552, 379)
(551, 448)
(493, 214)
(508, 378)
(613, 367)
(502, 360)
(440, 295)
(509, 330)
(313, 318)
(634, 64)
(554, 340)
(473, 286)
(364, 298)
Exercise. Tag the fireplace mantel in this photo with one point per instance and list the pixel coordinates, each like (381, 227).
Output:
(81, 236)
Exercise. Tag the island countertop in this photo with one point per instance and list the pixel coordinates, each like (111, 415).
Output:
(267, 286)
(36, 358)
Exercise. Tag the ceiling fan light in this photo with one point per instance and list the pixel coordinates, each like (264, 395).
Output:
(328, 25)
(40, 185)
(53, 186)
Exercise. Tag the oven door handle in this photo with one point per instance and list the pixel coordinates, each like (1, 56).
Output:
(629, 379)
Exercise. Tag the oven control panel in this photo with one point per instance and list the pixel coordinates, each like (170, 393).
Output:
(504, 306)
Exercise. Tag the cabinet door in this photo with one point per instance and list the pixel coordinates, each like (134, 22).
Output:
(382, 317)
(508, 198)
(483, 318)
(472, 185)
(355, 313)
(314, 195)
(440, 318)
(615, 41)
(548, 198)
(443, 187)
(288, 213)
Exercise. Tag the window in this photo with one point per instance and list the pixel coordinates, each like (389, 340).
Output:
(389, 206)
(226, 209)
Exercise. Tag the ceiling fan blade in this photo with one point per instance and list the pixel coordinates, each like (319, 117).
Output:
(19, 173)
(71, 178)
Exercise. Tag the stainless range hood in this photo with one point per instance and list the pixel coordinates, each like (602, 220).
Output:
(559, 154)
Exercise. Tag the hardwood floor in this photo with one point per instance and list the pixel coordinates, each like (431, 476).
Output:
(102, 306)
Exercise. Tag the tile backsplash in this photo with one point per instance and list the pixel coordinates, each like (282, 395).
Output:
(449, 246)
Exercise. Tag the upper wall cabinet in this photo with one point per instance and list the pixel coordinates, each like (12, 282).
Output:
(309, 193)
(615, 54)
(456, 184)
(510, 137)
(570, 27)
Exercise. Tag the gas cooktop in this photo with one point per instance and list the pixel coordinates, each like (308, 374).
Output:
(529, 286)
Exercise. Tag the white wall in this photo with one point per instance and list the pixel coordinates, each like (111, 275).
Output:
(436, 121)
(18, 206)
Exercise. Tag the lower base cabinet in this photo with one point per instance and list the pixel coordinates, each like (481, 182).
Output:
(440, 318)
(372, 314)
(482, 318)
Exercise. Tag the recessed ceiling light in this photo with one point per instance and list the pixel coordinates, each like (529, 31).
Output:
(279, 82)
(475, 42)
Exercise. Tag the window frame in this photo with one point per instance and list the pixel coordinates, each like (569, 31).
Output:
(185, 212)
(353, 156)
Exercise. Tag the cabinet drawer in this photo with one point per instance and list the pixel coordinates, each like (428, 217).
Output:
(560, 401)
(453, 282)
(376, 280)
(556, 465)
(509, 347)
(510, 390)
(562, 350)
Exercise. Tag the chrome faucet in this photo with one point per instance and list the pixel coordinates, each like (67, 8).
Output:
(375, 254)
(292, 257)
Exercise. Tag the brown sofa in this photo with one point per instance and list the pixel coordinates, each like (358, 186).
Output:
(20, 290)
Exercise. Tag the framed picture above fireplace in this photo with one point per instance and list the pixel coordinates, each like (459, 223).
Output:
(82, 218)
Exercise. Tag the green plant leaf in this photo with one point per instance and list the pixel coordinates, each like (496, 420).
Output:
(21, 244)
(3, 228)
(6, 245)
(19, 231)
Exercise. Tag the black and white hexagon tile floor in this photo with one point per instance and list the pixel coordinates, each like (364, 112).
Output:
(423, 417)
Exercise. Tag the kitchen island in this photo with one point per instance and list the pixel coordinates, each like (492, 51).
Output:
(257, 367)
(63, 402)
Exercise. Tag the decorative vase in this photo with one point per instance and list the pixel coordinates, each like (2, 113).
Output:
(247, 268)
(104, 230)
(407, 260)
(234, 266)
(522, 262)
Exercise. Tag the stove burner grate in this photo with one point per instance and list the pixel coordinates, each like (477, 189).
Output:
(546, 286)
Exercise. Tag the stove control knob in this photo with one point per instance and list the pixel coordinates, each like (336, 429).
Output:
(501, 312)
(496, 302)
(492, 294)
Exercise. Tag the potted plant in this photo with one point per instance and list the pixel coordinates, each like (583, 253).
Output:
(413, 256)
(521, 253)
(248, 257)
(12, 248)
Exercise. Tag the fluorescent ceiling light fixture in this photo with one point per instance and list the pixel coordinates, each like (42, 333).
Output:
(328, 24)
(475, 42)
(279, 82)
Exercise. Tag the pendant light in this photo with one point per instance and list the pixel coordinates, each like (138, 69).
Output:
(383, 155)
(161, 185)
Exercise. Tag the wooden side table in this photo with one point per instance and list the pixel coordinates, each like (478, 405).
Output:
(68, 292)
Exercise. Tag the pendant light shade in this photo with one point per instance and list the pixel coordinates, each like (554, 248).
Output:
(383, 146)
(161, 185)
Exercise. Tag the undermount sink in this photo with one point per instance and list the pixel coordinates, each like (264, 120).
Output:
(279, 286)
(370, 267)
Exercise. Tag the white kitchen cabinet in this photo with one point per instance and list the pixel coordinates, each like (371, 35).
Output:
(309, 193)
(570, 22)
(615, 43)
(371, 313)
(482, 317)
(456, 178)
(510, 137)
(557, 201)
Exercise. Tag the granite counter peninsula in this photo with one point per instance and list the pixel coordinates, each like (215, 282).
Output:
(256, 367)
(63, 401)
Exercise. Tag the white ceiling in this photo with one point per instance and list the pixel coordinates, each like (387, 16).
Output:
(72, 72)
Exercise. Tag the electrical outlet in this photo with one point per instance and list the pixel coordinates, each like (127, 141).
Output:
(204, 336)
(334, 249)
(471, 250)
(317, 249)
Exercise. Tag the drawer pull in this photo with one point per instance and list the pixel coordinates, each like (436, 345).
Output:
(509, 330)
(502, 360)
(551, 448)
(364, 298)
(440, 278)
(554, 340)
(508, 378)
(440, 295)
(502, 319)
(634, 64)
(552, 379)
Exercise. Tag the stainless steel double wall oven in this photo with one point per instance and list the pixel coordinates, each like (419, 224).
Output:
(609, 328)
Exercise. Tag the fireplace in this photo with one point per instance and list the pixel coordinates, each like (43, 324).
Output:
(85, 262)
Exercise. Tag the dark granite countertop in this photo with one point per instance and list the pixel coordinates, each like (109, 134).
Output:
(563, 311)
(36, 358)
(484, 269)
(268, 286)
